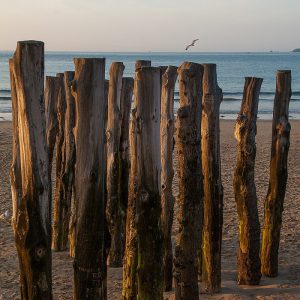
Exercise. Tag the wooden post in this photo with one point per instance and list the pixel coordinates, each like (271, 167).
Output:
(129, 290)
(126, 100)
(190, 199)
(113, 134)
(278, 175)
(148, 172)
(213, 190)
(32, 211)
(51, 96)
(68, 165)
(15, 170)
(166, 139)
(244, 186)
(60, 209)
(90, 257)
(107, 234)
(70, 157)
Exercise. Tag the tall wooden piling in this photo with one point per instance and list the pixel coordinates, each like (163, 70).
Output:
(107, 234)
(51, 96)
(148, 169)
(244, 185)
(32, 211)
(69, 156)
(60, 208)
(278, 175)
(213, 190)
(126, 100)
(190, 199)
(129, 290)
(167, 144)
(90, 258)
(113, 134)
(15, 170)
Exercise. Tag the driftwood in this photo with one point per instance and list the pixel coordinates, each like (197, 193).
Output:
(51, 96)
(90, 279)
(278, 175)
(213, 190)
(190, 199)
(148, 169)
(32, 211)
(244, 185)
(60, 208)
(113, 134)
(166, 140)
(126, 99)
(129, 290)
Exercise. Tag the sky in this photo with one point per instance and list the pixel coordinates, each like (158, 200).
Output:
(152, 25)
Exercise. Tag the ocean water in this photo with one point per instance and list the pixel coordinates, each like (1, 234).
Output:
(232, 68)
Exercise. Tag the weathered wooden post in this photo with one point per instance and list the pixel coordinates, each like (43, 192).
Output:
(51, 96)
(113, 134)
(190, 199)
(213, 190)
(126, 100)
(90, 257)
(148, 171)
(60, 228)
(278, 175)
(32, 211)
(166, 140)
(244, 185)
(15, 170)
(129, 290)
(68, 164)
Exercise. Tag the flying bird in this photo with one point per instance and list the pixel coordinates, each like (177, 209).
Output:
(192, 44)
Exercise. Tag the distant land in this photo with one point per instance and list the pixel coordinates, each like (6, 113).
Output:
(296, 50)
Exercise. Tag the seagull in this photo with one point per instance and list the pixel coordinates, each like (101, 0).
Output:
(192, 44)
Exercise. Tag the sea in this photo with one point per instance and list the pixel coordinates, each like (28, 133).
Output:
(232, 68)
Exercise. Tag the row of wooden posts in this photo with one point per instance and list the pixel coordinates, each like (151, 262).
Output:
(113, 197)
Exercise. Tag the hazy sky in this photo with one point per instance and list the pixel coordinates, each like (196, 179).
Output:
(152, 25)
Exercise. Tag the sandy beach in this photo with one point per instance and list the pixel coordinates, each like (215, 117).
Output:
(285, 286)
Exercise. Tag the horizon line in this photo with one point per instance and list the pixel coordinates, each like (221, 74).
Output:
(164, 51)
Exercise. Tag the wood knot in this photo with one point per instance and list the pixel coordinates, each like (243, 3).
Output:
(284, 127)
(183, 112)
(108, 135)
(73, 86)
(42, 282)
(144, 196)
(93, 175)
(240, 127)
(250, 149)
(40, 252)
(169, 122)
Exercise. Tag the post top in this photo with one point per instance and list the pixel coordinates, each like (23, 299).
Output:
(284, 71)
(30, 42)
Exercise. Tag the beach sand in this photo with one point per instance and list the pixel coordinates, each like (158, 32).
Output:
(285, 286)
